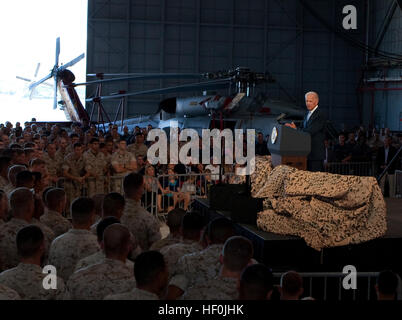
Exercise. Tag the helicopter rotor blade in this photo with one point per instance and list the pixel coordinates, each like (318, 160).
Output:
(72, 62)
(56, 63)
(37, 70)
(216, 84)
(142, 77)
(55, 94)
(35, 84)
(173, 75)
(24, 79)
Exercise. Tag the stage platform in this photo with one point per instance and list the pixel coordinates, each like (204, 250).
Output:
(290, 252)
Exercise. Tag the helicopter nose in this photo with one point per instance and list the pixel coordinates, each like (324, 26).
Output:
(168, 105)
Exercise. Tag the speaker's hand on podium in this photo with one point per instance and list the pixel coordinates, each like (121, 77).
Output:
(291, 125)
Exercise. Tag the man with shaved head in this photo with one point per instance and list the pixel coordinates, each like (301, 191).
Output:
(291, 286)
(55, 202)
(22, 206)
(111, 276)
(174, 218)
(78, 242)
(27, 278)
(99, 256)
(236, 256)
(12, 177)
(314, 123)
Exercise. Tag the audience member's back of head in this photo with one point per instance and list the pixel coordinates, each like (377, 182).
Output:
(113, 205)
(131, 183)
(103, 224)
(54, 197)
(24, 179)
(148, 266)
(256, 283)
(116, 240)
(291, 285)
(237, 253)
(21, 202)
(82, 211)
(387, 284)
(219, 230)
(12, 173)
(174, 219)
(192, 224)
(29, 241)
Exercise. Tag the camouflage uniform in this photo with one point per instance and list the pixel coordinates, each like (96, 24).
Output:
(136, 294)
(97, 281)
(138, 150)
(8, 245)
(169, 240)
(75, 167)
(67, 249)
(198, 267)
(218, 288)
(27, 281)
(56, 222)
(95, 164)
(47, 231)
(8, 294)
(96, 258)
(60, 155)
(117, 181)
(52, 164)
(174, 252)
(141, 224)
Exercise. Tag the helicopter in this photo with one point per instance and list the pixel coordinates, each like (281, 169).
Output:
(62, 77)
(241, 107)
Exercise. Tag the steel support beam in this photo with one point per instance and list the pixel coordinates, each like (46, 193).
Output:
(385, 24)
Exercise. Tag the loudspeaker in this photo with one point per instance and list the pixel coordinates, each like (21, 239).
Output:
(221, 195)
(244, 209)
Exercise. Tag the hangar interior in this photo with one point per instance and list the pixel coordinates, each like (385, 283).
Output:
(302, 44)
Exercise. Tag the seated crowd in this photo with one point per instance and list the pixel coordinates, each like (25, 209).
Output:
(110, 246)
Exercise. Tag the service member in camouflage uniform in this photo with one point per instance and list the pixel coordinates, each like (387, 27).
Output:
(27, 278)
(256, 283)
(142, 224)
(78, 242)
(73, 170)
(55, 201)
(112, 275)
(99, 256)
(138, 148)
(151, 274)
(237, 254)
(52, 163)
(61, 152)
(192, 225)
(22, 206)
(199, 267)
(95, 165)
(174, 223)
(122, 162)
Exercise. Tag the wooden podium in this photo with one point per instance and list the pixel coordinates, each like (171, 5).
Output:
(289, 147)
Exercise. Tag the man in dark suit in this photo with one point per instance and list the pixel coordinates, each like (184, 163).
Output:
(384, 156)
(314, 123)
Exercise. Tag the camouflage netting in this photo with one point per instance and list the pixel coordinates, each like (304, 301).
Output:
(325, 209)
